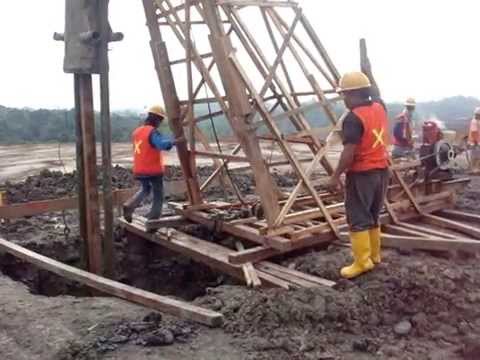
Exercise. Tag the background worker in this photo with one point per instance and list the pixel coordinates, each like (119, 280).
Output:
(474, 142)
(149, 163)
(403, 131)
(364, 159)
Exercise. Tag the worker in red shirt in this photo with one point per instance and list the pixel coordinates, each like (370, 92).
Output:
(474, 142)
(364, 160)
(149, 163)
(402, 131)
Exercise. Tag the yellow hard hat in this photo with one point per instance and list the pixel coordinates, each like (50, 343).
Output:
(157, 110)
(353, 81)
(410, 102)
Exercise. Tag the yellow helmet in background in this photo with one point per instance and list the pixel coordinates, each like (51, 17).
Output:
(353, 81)
(410, 102)
(157, 110)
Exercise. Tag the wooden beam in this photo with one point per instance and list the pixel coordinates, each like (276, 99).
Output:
(215, 155)
(437, 244)
(206, 252)
(170, 97)
(164, 222)
(450, 224)
(251, 277)
(253, 255)
(257, 3)
(459, 215)
(239, 111)
(89, 158)
(418, 229)
(44, 206)
(315, 280)
(161, 303)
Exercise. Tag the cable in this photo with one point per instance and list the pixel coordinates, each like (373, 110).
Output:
(215, 134)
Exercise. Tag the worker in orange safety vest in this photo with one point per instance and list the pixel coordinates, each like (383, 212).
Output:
(474, 142)
(402, 131)
(149, 163)
(365, 161)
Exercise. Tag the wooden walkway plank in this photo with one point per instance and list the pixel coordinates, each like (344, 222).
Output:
(126, 292)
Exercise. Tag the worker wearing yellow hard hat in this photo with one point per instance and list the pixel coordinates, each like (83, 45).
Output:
(149, 163)
(364, 160)
(403, 144)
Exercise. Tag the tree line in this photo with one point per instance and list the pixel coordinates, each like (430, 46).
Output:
(22, 126)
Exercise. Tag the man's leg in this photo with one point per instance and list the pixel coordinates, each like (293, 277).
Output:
(357, 204)
(377, 205)
(157, 186)
(135, 201)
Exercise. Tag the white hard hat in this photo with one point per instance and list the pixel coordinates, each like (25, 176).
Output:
(477, 111)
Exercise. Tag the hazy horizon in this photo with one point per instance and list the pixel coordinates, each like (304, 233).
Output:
(422, 49)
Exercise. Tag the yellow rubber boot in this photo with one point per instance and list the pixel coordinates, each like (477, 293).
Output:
(375, 245)
(361, 255)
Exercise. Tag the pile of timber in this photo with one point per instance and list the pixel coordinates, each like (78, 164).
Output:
(217, 257)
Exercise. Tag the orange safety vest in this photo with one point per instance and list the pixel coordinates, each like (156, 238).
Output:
(146, 159)
(372, 152)
(474, 132)
(403, 117)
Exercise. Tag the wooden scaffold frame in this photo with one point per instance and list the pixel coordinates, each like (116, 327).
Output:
(254, 89)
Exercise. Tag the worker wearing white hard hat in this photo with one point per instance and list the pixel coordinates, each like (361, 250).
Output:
(403, 145)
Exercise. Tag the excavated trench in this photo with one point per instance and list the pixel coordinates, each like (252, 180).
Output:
(139, 263)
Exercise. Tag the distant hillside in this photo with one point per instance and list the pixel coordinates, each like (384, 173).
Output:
(40, 126)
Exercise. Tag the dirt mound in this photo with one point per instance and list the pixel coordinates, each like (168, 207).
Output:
(412, 306)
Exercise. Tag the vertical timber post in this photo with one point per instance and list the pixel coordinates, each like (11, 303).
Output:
(172, 104)
(239, 109)
(89, 159)
(80, 173)
(106, 134)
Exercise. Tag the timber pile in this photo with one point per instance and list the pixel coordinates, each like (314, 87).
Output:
(217, 257)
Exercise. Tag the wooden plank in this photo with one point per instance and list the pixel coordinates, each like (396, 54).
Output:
(208, 253)
(450, 224)
(93, 239)
(167, 221)
(249, 271)
(436, 244)
(44, 206)
(418, 230)
(253, 255)
(404, 231)
(311, 278)
(215, 155)
(126, 292)
(459, 215)
(257, 3)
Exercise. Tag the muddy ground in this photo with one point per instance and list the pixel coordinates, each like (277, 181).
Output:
(415, 305)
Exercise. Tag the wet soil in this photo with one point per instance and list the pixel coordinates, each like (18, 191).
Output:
(415, 305)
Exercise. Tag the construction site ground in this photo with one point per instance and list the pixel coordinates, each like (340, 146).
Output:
(415, 305)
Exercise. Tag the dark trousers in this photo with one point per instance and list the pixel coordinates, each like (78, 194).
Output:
(364, 197)
(149, 183)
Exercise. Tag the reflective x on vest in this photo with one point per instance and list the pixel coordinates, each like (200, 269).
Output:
(378, 137)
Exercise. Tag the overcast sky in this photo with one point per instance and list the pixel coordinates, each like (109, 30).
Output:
(426, 49)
